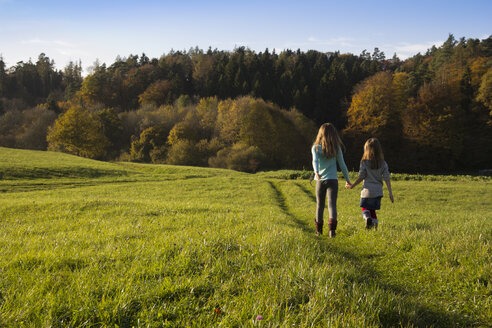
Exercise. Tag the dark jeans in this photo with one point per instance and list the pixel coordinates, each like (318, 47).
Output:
(326, 188)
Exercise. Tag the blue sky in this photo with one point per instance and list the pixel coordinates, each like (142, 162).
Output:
(86, 30)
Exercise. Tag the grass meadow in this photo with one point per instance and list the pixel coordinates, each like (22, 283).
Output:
(88, 244)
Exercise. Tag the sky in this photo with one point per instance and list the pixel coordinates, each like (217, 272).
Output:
(88, 30)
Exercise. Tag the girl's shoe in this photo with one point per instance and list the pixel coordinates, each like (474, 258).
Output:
(319, 227)
(366, 215)
(332, 226)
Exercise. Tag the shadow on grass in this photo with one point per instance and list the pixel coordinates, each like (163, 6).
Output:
(306, 191)
(399, 311)
(281, 203)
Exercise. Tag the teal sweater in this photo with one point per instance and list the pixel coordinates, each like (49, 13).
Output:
(327, 167)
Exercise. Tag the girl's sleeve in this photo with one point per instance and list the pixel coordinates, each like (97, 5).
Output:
(385, 174)
(362, 170)
(341, 164)
(315, 159)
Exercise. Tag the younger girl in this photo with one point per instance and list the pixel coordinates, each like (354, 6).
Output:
(327, 152)
(373, 170)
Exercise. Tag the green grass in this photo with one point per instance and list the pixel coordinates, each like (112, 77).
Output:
(88, 244)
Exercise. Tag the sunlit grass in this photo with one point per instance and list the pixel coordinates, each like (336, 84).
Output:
(151, 245)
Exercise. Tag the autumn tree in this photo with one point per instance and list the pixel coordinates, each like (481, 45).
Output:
(78, 132)
(26, 129)
(10, 124)
(266, 128)
(230, 117)
(484, 94)
(376, 111)
(371, 112)
(151, 145)
(239, 157)
(187, 152)
(34, 130)
(157, 93)
(207, 111)
(112, 128)
(281, 136)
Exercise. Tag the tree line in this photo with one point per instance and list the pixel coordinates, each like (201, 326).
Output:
(237, 109)
(433, 113)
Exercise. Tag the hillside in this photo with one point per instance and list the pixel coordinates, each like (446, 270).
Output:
(87, 243)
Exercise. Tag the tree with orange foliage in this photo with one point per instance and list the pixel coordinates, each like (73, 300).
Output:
(485, 91)
(157, 93)
(371, 111)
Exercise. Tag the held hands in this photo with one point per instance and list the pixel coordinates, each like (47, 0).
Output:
(348, 185)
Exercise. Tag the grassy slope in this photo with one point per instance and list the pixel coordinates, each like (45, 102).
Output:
(87, 243)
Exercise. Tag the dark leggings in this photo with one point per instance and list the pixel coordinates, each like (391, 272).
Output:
(324, 187)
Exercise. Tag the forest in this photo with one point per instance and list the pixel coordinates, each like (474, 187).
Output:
(251, 111)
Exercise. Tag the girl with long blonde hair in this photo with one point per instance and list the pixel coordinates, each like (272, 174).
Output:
(327, 152)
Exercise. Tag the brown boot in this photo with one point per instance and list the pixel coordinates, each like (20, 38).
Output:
(319, 227)
(332, 226)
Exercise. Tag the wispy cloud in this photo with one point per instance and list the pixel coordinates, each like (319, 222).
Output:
(64, 44)
(416, 47)
(64, 48)
(33, 41)
(64, 52)
(49, 42)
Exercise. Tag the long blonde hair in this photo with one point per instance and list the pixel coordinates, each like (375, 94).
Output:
(373, 152)
(329, 140)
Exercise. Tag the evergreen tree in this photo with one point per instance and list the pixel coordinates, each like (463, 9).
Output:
(3, 78)
(72, 79)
